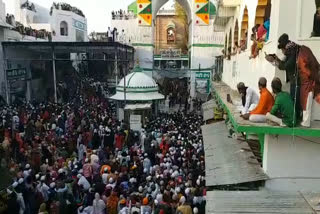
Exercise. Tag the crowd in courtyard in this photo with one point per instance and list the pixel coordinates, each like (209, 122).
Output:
(76, 157)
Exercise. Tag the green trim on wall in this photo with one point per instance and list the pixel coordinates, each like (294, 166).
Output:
(128, 87)
(142, 45)
(271, 130)
(147, 69)
(193, 45)
(261, 141)
(193, 69)
(201, 69)
(206, 45)
(137, 92)
(130, 78)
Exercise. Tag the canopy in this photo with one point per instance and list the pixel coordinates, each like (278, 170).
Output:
(139, 87)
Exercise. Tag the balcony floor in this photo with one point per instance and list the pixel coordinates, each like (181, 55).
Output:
(241, 125)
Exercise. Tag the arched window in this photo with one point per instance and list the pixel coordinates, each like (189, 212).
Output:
(171, 35)
(244, 29)
(225, 46)
(316, 20)
(263, 13)
(171, 32)
(236, 38)
(64, 28)
(229, 45)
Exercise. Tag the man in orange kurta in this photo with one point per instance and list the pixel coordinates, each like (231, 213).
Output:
(258, 115)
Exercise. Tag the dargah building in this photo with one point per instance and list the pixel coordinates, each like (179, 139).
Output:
(174, 41)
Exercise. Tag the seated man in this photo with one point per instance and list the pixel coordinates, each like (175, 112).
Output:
(282, 113)
(258, 115)
(249, 98)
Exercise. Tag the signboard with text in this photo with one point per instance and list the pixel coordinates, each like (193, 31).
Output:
(79, 25)
(203, 82)
(135, 122)
(17, 74)
(170, 53)
(203, 75)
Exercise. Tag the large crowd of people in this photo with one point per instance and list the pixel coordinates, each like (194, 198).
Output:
(76, 157)
(28, 31)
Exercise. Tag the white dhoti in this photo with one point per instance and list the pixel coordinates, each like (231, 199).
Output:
(275, 119)
(307, 114)
(258, 118)
(251, 108)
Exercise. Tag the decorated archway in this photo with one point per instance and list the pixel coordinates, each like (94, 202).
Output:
(196, 17)
(236, 36)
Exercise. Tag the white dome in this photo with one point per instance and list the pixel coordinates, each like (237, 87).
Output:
(138, 80)
(139, 87)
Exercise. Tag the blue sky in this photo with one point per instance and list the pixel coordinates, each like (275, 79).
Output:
(98, 12)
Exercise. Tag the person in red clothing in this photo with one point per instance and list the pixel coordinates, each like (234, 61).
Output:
(164, 145)
(119, 139)
(258, 115)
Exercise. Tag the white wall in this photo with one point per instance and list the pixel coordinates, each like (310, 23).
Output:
(26, 17)
(133, 32)
(140, 38)
(46, 27)
(2, 11)
(41, 16)
(294, 17)
(240, 68)
(205, 35)
(59, 16)
(1, 62)
(3, 17)
(292, 163)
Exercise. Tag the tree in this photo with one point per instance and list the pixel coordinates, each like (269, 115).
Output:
(182, 17)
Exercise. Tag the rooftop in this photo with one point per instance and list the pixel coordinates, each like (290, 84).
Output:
(43, 50)
(228, 161)
(221, 90)
(233, 202)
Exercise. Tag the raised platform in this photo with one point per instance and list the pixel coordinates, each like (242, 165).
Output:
(228, 161)
(235, 202)
(221, 90)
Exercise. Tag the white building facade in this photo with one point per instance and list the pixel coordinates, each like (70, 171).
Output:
(64, 25)
(204, 42)
(287, 159)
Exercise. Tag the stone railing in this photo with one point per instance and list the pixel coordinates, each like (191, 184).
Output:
(28, 31)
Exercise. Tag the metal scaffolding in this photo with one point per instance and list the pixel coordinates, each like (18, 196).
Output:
(113, 54)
